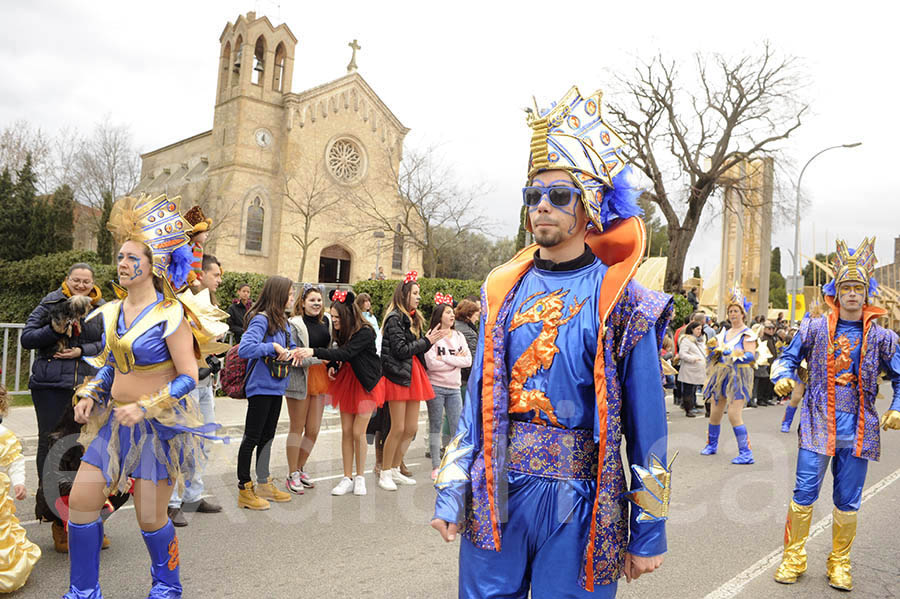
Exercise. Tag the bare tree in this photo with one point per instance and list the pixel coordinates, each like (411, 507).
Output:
(107, 162)
(309, 192)
(19, 140)
(429, 209)
(691, 136)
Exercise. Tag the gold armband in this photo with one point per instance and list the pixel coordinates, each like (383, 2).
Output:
(92, 389)
(652, 497)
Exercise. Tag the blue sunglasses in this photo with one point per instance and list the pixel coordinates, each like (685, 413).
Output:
(559, 196)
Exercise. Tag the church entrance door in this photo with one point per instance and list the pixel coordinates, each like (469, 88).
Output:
(334, 265)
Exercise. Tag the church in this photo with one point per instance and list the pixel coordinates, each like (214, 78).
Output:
(280, 172)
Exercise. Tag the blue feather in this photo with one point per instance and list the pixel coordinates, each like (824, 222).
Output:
(180, 265)
(620, 201)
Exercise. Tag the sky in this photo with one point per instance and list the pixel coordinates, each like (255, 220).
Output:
(459, 74)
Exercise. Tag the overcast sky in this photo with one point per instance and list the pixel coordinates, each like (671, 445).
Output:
(459, 73)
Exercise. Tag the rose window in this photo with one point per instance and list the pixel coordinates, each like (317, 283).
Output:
(345, 161)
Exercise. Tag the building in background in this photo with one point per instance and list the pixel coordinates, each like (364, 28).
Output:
(274, 157)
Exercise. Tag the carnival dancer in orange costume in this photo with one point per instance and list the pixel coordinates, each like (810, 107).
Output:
(567, 364)
(845, 351)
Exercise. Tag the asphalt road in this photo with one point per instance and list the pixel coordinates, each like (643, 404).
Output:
(725, 531)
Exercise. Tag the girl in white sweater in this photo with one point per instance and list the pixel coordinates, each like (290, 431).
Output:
(444, 360)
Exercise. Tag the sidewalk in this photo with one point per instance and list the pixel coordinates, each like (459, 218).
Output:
(229, 413)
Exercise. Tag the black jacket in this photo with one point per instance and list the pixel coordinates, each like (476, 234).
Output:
(236, 312)
(398, 347)
(360, 352)
(49, 372)
(470, 333)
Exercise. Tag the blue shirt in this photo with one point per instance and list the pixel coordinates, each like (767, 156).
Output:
(256, 344)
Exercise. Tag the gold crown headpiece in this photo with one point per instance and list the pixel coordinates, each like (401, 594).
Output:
(855, 265)
(155, 222)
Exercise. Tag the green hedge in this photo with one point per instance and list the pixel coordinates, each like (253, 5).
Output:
(381, 292)
(683, 310)
(24, 282)
(231, 281)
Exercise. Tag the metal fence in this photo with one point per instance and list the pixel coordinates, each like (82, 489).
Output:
(15, 368)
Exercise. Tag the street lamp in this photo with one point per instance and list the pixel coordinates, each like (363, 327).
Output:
(797, 221)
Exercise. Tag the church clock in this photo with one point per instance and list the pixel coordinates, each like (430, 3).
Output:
(263, 138)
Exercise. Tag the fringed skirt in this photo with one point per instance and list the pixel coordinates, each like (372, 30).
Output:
(169, 447)
(729, 381)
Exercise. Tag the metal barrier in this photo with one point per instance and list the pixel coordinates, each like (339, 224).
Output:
(20, 372)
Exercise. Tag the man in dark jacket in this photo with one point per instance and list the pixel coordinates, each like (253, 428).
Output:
(237, 310)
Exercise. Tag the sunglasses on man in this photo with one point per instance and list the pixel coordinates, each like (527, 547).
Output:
(558, 195)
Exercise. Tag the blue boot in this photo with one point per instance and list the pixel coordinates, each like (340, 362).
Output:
(162, 545)
(745, 456)
(712, 440)
(85, 541)
(788, 419)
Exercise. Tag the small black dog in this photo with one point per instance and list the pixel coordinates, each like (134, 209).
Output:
(66, 317)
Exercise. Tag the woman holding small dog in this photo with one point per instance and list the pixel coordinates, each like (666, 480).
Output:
(56, 330)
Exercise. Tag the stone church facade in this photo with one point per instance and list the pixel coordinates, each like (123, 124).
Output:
(279, 167)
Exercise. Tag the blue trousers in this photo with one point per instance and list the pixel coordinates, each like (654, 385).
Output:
(849, 474)
(543, 544)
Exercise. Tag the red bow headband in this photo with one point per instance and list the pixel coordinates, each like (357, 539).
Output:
(339, 296)
(440, 298)
(411, 276)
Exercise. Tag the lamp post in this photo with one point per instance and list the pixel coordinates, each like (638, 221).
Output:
(797, 221)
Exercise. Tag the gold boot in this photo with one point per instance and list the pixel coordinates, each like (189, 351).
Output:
(796, 531)
(268, 490)
(843, 531)
(248, 499)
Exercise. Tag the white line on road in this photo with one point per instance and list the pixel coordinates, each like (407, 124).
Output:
(736, 584)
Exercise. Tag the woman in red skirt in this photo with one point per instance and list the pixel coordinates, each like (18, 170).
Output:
(403, 347)
(357, 389)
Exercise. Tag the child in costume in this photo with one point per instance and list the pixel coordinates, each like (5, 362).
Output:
(17, 554)
(844, 351)
(732, 355)
(567, 364)
(141, 428)
(199, 234)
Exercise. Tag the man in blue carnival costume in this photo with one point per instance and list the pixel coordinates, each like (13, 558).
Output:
(567, 363)
(142, 431)
(844, 352)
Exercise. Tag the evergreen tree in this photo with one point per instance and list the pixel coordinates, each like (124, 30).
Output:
(7, 228)
(18, 225)
(521, 235)
(104, 237)
(61, 209)
(696, 274)
(776, 260)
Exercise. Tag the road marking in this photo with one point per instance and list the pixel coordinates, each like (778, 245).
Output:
(737, 584)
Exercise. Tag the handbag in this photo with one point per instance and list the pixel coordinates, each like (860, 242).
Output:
(277, 368)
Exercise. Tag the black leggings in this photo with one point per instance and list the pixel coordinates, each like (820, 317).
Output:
(259, 431)
(688, 396)
(49, 406)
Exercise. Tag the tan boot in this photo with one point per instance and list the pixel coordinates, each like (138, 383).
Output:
(60, 538)
(796, 531)
(404, 470)
(843, 532)
(268, 491)
(247, 498)
(105, 544)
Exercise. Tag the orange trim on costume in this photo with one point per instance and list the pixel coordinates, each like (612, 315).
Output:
(621, 248)
(829, 391)
(497, 284)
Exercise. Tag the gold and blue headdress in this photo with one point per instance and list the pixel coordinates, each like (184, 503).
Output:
(854, 265)
(736, 298)
(572, 136)
(159, 224)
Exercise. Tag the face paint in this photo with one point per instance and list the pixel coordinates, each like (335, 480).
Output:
(137, 267)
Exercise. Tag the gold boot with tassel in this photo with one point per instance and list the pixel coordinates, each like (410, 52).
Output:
(843, 532)
(796, 531)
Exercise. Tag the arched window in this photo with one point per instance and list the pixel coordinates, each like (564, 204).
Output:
(223, 77)
(334, 265)
(236, 63)
(259, 61)
(278, 74)
(256, 216)
(397, 257)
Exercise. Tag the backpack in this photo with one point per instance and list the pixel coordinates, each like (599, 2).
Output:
(234, 374)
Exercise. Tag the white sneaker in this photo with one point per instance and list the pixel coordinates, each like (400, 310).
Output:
(343, 487)
(293, 483)
(399, 478)
(385, 481)
(359, 485)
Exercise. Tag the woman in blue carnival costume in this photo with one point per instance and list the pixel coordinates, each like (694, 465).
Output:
(732, 354)
(845, 351)
(567, 351)
(139, 427)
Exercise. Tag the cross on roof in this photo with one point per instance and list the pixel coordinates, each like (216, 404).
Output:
(354, 46)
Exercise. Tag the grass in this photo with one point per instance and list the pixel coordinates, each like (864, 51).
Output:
(20, 400)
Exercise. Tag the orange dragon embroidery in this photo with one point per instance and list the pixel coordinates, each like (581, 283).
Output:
(173, 554)
(548, 311)
(844, 360)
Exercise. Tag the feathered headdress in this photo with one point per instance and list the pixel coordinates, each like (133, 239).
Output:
(572, 136)
(854, 265)
(157, 223)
